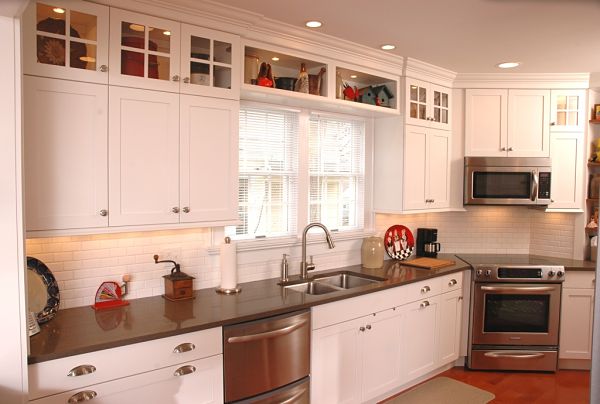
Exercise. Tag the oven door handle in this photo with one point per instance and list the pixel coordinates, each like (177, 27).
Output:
(534, 186)
(523, 355)
(269, 334)
(518, 288)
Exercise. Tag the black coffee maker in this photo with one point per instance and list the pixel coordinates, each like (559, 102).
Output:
(427, 245)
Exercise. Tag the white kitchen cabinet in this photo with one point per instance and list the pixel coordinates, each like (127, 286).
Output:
(513, 123)
(198, 381)
(420, 337)
(209, 159)
(143, 157)
(159, 54)
(426, 168)
(567, 110)
(79, 53)
(566, 152)
(450, 326)
(356, 360)
(577, 315)
(428, 104)
(65, 154)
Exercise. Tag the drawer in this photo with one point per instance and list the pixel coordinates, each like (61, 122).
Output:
(580, 279)
(452, 282)
(52, 377)
(421, 290)
(199, 381)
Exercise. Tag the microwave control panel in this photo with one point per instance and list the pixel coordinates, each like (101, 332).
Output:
(544, 188)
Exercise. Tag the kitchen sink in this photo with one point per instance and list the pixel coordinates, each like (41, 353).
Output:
(333, 282)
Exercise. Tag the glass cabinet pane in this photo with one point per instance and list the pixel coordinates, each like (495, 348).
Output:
(422, 94)
(222, 76)
(436, 115)
(444, 116)
(573, 102)
(200, 48)
(573, 118)
(132, 63)
(413, 110)
(132, 35)
(561, 102)
(83, 56)
(222, 52)
(86, 25)
(51, 50)
(413, 93)
(159, 67)
(444, 100)
(51, 19)
(436, 98)
(561, 118)
(159, 40)
(200, 73)
(422, 111)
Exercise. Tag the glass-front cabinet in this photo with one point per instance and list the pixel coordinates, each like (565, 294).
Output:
(567, 110)
(66, 39)
(144, 51)
(428, 104)
(210, 62)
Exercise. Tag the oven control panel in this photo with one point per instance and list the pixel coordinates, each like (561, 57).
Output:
(521, 273)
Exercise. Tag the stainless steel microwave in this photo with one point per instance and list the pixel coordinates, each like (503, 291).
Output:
(507, 180)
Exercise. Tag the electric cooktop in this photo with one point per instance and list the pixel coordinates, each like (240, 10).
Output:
(505, 259)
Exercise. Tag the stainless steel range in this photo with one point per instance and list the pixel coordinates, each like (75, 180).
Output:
(515, 316)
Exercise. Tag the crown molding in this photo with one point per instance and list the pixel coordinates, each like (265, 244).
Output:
(595, 80)
(418, 69)
(522, 80)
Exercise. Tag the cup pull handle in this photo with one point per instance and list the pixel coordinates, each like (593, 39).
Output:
(81, 370)
(185, 347)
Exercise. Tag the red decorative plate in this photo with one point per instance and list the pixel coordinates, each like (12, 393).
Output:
(399, 242)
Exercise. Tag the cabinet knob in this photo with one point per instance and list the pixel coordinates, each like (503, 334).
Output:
(185, 347)
(184, 370)
(103, 68)
(425, 289)
(452, 282)
(460, 298)
(175, 78)
(175, 209)
(503, 149)
(103, 212)
(186, 209)
(510, 149)
(186, 79)
(552, 123)
(82, 396)
(81, 370)
(368, 326)
(362, 329)
(424, 304)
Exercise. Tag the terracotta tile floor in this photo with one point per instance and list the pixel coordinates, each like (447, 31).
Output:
(562, 387)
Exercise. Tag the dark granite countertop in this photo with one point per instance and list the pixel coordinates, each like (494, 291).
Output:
(80, 330)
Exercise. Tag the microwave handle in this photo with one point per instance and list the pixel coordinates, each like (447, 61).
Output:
(534, 185)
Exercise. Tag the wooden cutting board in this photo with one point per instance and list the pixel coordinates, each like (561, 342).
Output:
(428, 263)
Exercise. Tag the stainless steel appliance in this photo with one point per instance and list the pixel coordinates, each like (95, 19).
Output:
(515, 317)
(427, 244)
(507, 181)
(268, 360)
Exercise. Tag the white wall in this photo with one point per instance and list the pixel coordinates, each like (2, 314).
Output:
(13, 341)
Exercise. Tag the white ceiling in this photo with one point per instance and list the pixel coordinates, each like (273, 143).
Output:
(466, 36)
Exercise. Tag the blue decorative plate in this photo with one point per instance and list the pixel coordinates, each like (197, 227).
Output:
(52, 298)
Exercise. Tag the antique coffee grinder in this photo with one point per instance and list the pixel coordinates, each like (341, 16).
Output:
(178, 285)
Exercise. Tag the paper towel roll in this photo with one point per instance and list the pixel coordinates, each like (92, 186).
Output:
(228, 266)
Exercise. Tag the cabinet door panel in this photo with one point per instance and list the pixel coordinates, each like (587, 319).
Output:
(209, 162)
(143, 156)
(336, 363)
(486, 122)
(438, 172)
(450, 326)
(577, 316)
(51, 50)
(566, 151)
(440, 107)
(415, 167)
(382, 356)
(65, 124)
(420, 337)
(204, 385)
(528, 123)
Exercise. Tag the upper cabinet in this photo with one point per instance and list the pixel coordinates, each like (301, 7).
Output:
(514, 123)
(567, 110)
(159, 54)
(66, 39)
(428, 104)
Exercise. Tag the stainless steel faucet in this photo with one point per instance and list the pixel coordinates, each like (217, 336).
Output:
(304, 266)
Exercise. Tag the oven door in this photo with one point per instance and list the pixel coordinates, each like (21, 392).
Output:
(501, 185)
(516, 314)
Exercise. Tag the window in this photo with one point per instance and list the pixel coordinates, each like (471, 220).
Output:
(282, 152)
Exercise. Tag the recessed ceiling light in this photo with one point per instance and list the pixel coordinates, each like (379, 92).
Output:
(508, 65)
(58, 10)
(388, 47)
(353, 76)
(137, 27)
(313, 24)
(275, 59)
(167, 33)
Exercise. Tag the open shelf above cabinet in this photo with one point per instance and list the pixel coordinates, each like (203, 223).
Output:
(364, 88)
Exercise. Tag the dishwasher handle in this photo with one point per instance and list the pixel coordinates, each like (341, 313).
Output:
(268, 334)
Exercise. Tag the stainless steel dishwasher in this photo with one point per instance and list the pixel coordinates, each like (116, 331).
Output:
(268, 360)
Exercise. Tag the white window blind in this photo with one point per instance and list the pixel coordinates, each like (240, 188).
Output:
(337, 172)
(268, 172)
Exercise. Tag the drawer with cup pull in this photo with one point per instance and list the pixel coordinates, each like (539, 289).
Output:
(74, 372)
(452, 281)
